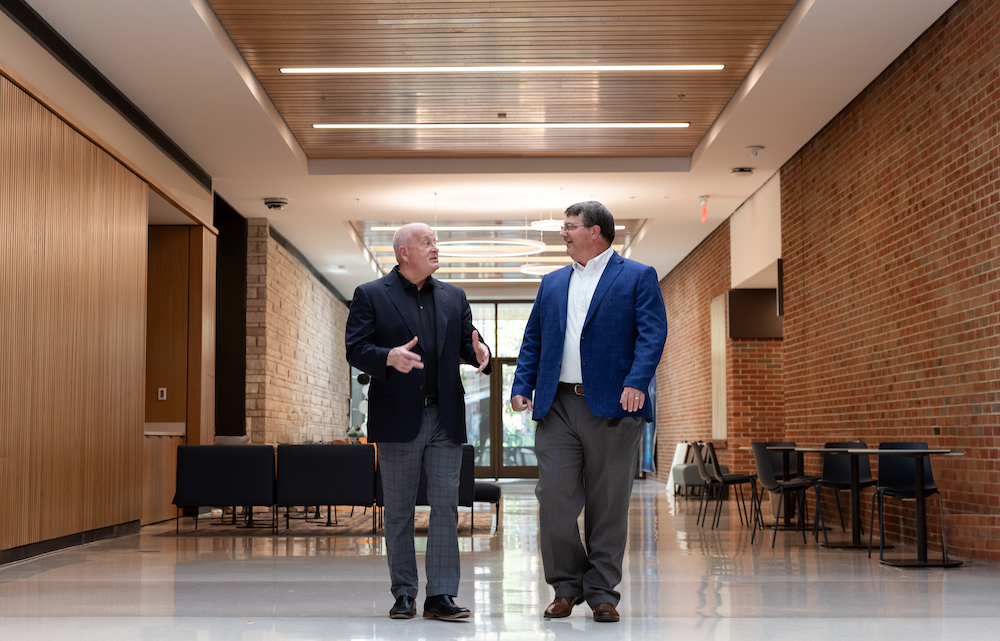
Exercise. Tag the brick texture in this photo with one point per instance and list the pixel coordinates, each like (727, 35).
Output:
(890, 239)
(298, 379)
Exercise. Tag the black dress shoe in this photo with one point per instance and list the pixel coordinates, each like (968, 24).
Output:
(404, 608)
(443, 607)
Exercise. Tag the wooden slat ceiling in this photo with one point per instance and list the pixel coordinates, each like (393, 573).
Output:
(301, 33)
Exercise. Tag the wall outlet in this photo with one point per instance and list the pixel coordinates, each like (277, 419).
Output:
(161, 393)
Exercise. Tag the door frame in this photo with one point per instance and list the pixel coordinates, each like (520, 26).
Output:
(496, 469)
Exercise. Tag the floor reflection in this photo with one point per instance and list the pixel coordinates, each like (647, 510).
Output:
(680, 580)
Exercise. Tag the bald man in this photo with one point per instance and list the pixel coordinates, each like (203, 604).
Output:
(409, 332)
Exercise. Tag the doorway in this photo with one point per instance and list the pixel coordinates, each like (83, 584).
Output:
(504, 440)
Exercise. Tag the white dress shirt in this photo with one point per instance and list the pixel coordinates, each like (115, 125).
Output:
(582, 285)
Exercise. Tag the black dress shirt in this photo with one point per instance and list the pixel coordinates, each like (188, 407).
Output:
(422, 306)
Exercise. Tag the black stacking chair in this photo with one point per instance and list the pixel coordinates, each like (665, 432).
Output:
(709, 480)
(897, 479)
(725, 480)
(778, 459)
(767, 478)
(837, 472)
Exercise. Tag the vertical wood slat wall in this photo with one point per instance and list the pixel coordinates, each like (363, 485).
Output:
(201, 338)
(72, 328)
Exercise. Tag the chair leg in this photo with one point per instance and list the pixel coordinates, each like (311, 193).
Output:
(718, 506)
(819, 515)
(944, 534)
(840, 513)
(774, 535)
(871, 525)
(801, 496)
(744, 515)
(881, 527)
(703, 505)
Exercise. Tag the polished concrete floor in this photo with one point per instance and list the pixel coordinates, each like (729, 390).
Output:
(681, 581)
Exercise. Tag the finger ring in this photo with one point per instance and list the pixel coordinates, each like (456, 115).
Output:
(636, 397)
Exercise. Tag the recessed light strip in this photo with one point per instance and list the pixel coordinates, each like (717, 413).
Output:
(509, 125)
(502, 69)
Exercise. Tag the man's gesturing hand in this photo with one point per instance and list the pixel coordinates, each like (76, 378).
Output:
(520, 403)
(482, 354)
(402, 359)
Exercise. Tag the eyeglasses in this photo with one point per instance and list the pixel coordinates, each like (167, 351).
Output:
(568, 227)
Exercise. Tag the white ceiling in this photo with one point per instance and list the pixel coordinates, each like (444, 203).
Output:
(175, 62)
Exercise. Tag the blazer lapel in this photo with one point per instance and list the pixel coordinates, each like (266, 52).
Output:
(560, 288)
(441, 314)
(398, 298)
(614, 267)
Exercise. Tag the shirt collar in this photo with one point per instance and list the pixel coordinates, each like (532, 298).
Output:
(596, 263)
(406, 284)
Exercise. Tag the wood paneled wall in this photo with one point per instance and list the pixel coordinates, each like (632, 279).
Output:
(72, 328)
(159, 477)
(201, 340)
(167, 324)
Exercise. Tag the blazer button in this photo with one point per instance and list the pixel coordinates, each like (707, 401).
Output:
(421, 388)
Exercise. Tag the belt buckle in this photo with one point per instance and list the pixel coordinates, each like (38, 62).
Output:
(430, 401)
(578, 389)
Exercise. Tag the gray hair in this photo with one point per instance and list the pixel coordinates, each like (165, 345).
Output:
(403, 236)
(594, 213)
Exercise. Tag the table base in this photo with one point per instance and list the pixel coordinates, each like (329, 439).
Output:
(848, 545)
(919, 564)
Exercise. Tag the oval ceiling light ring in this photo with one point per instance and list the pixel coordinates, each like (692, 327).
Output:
(548, 225)
(539, 269)
(490, 247)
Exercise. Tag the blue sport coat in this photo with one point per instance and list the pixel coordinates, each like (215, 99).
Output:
(621, 342)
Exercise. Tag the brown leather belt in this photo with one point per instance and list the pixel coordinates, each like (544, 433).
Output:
(576, 388)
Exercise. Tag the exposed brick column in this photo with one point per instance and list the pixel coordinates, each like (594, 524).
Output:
(257, 237)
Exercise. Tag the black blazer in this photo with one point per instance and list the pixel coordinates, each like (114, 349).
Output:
(380, 319)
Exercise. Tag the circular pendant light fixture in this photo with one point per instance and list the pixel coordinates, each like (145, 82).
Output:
(547, 225)
(489, 247)
(539, 269)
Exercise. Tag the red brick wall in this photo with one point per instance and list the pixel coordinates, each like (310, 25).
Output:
(756, 399)
(684, 377)
(890, 246)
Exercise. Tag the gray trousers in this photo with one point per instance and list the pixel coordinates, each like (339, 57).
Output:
(400, 465)
(584, 461)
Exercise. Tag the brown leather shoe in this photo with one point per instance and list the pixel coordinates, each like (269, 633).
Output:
(605, 613)
(562, 607)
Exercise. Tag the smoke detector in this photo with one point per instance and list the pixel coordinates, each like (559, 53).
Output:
(275, 203)
(741, 171)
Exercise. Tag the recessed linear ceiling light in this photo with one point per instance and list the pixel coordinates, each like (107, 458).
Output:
(531, 227)
(509, 125)
(502, 69)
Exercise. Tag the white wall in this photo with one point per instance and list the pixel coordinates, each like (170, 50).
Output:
(755, 238)
(27, 58)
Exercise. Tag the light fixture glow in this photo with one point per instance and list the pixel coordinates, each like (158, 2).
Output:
(531, 227)
(502, 69)
(539, 269)
(490, 246)
(554, 225)
(507, 125)
(491, 280)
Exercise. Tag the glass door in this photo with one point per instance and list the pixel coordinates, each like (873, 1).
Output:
(504, 440)
(515, 431)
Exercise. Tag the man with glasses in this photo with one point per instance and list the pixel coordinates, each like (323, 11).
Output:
(408, 332)
(591, 346)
